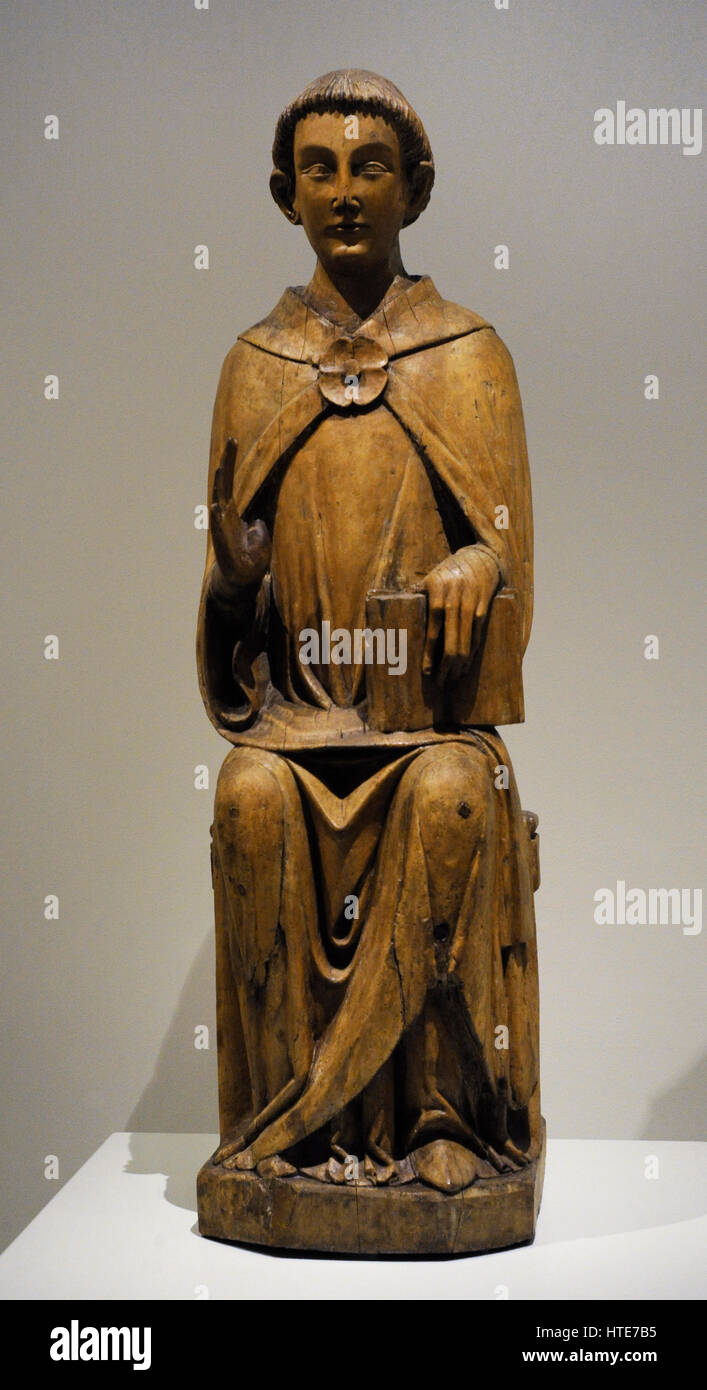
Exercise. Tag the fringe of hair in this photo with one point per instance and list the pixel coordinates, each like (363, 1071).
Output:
(349, 90)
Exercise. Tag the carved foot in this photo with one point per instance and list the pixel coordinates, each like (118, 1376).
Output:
(366, 1172)
(243, 1161)
(520, 1159)
(231, 1145)
(275, 1167)
(349, 1170)
(233, 1156)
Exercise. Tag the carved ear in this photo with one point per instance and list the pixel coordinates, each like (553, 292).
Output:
(282, 193)
(420, 188)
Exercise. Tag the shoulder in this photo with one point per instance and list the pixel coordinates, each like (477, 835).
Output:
(478, 332)
(283, 331)
(280, 334)
(257, 380)
(478, 345)
(460, 335)
(235, 360)
(454, 318)
(254, 363)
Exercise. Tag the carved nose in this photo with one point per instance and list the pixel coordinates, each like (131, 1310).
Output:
(344, 200)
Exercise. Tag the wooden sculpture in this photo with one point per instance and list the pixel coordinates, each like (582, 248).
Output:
(366, 603)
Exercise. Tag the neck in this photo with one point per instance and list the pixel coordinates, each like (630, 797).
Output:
(358, 294)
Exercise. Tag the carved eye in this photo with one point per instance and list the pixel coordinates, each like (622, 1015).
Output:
(317, 171)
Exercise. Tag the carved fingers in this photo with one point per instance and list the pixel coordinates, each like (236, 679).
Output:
(459, 593)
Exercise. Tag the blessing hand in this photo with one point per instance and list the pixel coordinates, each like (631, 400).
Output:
(459, 591)
(242, 551)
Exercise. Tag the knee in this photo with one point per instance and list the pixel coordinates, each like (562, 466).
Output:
(454, 792)
(248, 790)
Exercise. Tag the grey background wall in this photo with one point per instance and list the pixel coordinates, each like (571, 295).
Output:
(166, 119)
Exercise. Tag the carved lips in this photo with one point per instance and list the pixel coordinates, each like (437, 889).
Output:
(352, 372)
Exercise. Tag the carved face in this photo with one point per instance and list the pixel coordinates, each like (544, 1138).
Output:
(351, 193)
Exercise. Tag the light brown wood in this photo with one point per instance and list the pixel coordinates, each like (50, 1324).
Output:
(366, 603)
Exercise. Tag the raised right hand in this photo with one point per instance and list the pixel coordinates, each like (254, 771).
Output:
(242, 551)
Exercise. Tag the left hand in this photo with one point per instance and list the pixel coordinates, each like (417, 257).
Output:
(459, 592)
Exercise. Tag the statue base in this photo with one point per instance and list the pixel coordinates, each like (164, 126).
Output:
(299, 1213)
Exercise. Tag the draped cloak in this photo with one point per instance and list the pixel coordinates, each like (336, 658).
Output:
(360, 496)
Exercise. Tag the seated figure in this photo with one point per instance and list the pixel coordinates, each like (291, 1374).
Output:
(366, 603)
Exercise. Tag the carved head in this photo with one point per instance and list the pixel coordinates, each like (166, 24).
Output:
(353, 165)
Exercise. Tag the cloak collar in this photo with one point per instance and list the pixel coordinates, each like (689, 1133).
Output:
(409, 317)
